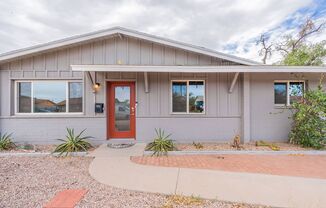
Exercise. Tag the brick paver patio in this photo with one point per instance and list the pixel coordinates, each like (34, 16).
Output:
(312, 166)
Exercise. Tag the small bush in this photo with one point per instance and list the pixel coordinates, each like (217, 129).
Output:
(272, 146)
(198, 145)
(161, 144)
(309, 120)
(6, 142)
(236, 142)
(73, 143)
(179, 200)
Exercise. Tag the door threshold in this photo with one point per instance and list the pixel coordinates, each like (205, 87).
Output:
(121, 140)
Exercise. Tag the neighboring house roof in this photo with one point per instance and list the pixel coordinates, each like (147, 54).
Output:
(120, 31)
(44, 102)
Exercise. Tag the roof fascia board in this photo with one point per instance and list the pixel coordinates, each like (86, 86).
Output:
(199, 69)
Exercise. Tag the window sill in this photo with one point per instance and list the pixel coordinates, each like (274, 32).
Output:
(283, 107)
(48, 115)
(185, 114)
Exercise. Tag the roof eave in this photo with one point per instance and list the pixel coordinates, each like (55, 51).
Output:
(201, 69)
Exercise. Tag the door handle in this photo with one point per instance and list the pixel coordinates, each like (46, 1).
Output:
(132, 113)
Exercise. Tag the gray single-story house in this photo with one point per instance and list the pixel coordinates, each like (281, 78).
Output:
(120, 83)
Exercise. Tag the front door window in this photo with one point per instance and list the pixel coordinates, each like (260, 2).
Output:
(122, 108)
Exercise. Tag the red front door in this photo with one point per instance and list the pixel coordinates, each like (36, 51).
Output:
(121, 113)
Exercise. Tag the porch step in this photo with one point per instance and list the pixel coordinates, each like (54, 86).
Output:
(121, 143)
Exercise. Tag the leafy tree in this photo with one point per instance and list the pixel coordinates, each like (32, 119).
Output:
(295, 48)
(306, 55)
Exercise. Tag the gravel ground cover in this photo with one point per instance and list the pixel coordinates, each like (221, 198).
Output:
(228, 146)
(32, 148)
(31, 182)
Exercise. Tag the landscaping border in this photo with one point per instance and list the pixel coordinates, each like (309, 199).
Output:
(249, 152)
(42, 154)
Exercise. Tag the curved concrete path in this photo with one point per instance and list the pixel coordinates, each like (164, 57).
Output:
(113, 167)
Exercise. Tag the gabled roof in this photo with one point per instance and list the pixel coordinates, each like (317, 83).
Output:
(120, 31)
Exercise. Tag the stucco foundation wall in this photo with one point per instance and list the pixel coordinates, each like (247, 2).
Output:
(267, 121)
(48, 130)
(189, 129)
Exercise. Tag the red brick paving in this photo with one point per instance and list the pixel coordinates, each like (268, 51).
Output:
(312, 166)
(66, 199)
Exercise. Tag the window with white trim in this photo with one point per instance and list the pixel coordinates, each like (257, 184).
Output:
(188, 96)
(49, 97)
(288, 92)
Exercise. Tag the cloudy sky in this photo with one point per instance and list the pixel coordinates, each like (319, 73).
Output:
(224, 25)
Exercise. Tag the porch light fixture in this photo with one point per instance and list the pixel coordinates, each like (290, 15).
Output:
(96, 87)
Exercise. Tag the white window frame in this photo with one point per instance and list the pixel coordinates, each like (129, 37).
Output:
(32, 97)
(187, 112)
(287, 82)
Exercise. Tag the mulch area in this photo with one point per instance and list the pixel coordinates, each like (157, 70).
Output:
(310, 166)
(34, 181)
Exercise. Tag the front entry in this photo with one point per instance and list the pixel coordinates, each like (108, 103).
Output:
(121, 100)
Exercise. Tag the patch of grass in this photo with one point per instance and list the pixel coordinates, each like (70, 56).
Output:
(179, 200)
(272, 146)
(6, 142)
(73, 143)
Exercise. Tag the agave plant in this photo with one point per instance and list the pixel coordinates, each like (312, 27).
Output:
(161, 144)
(73, 143)
(6, 142)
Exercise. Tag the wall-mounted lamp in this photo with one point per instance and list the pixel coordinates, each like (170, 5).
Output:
(96, 87)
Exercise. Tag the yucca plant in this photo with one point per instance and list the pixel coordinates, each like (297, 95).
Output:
(73, 143)
(161, 144)
(6, 142)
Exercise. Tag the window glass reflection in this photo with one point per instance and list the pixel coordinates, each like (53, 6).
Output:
(24, 97)
(179, 97)
(49, 97)
(196, 96)
(122, 108)
(280, 93)
(75, 97)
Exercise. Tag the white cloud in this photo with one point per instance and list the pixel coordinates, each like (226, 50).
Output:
(209, 23)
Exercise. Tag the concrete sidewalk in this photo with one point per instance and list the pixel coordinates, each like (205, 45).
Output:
(113, 167)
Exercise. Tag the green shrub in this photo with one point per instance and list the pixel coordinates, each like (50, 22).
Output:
(161, 144)
(309, 120)
(6, 142)
(73, 143)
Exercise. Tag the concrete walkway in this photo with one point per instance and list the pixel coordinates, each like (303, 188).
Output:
(113, 167)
